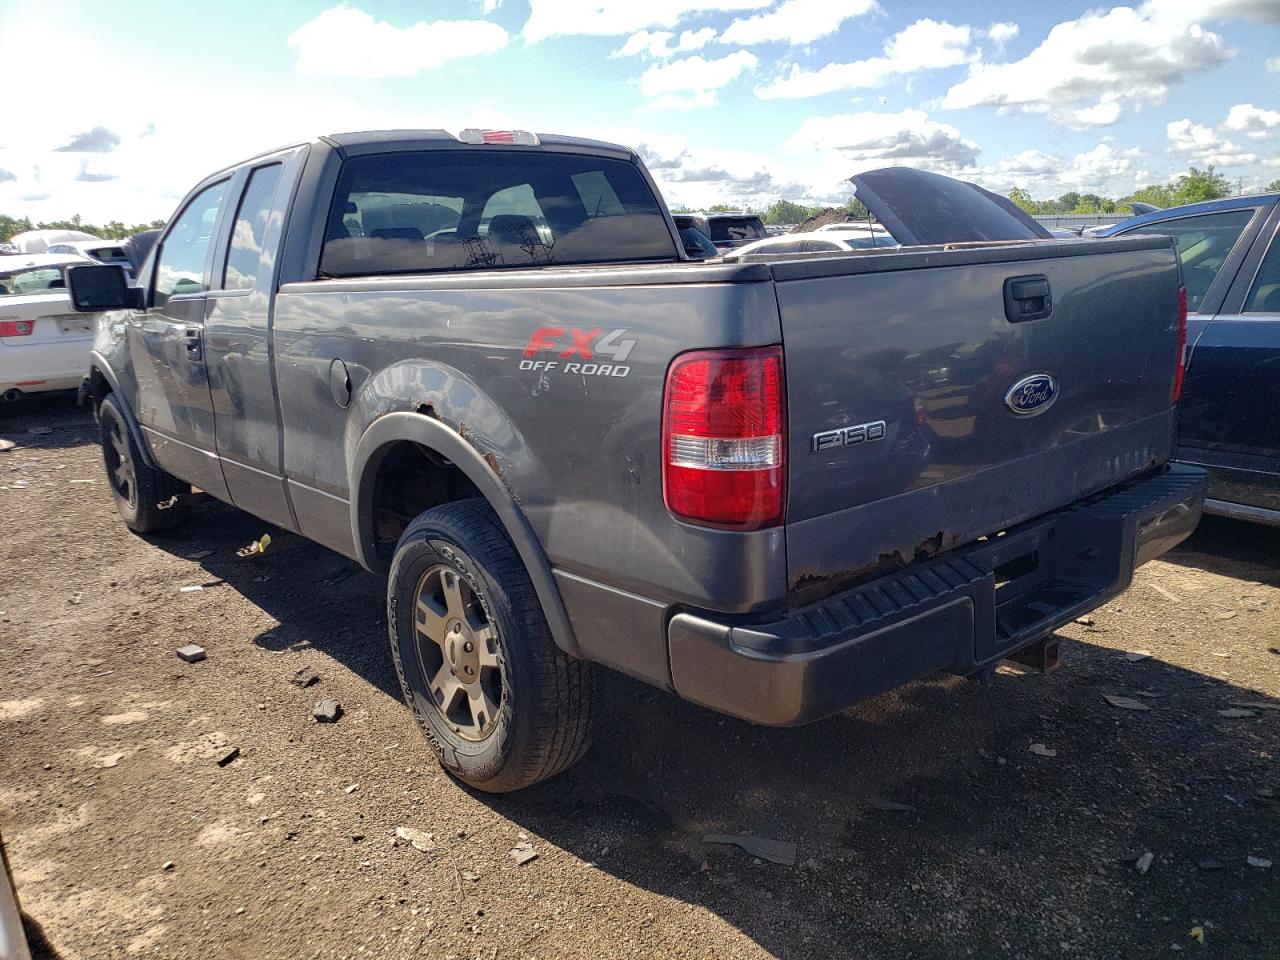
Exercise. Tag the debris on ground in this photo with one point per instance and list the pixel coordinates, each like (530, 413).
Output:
(775, 851)
(1085, 621)
(1165, 593)
(327, 711)
(1236, 713)
(199, 555)
(878, 803)
(470, 876)
(1125, 703)
(523, 853)
(107, 762)
(1133, 656)
(1261, 862)
(305, 677)
(1040, 750)
(76, 598)
(6, 445)
(1197, 934)
(228, 756)
(39, 431)
(420, 840)
(191, 653)
(256, 548)
(193, 588)
(1143, 863)
(351, 789)
(167, 865)
(1226, 615)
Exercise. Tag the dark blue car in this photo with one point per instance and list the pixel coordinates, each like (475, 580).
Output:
(1230, 421)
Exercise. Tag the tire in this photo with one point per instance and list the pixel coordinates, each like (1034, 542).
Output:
(500, 704)
(148, 499)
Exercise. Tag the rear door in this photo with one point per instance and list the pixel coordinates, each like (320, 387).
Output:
(1230, 420)
(238, 346)
(44, 344)
(166, 344)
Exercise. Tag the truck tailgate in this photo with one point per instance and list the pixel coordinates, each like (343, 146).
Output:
(906, 434)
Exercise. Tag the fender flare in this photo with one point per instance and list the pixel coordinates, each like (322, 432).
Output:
(98, 362)
(393, 428)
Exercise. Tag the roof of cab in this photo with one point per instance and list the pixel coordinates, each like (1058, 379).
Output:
(399, 138)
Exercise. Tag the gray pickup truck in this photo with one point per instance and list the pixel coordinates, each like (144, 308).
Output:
(485, 366)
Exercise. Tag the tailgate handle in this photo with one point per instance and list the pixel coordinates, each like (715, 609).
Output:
(1027, 298)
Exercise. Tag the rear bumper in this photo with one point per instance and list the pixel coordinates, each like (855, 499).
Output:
(957, 613)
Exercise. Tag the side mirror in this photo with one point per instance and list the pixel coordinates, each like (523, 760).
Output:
(95, 287)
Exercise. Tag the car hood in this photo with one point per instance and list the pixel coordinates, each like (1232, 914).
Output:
(921, 208)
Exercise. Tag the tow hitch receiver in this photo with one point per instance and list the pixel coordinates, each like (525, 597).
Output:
(1041, 655)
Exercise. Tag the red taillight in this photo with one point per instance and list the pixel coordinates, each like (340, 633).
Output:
(724, 438)
(16, 328)
(1182, 345)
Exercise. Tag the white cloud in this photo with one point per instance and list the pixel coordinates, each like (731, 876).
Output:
(1002, 33)
(1246, 118)
(1204, 11)
(346, 42)
(1273, 65)
(488, 6)
(1201, 144)
(795, 22)
(657, 44)
(865, 140)
(1123, 55)
(693, 81)
(613, 18)
(1104, 170)
(924, 45)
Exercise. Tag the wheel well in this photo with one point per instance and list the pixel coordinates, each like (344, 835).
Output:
(99, 386)
(412, 478)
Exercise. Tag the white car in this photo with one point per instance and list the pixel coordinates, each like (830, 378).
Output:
(834, 241)
(104, 251)
(44, 344)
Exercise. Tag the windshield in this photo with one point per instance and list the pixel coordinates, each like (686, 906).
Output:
(736, 228)
(465, 210)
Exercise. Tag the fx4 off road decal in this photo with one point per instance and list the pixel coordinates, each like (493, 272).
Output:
(586, 353)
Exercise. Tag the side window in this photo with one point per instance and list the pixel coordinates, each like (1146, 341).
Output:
(1264, 295)
(1204, 243)
(31, 281)
(250, 227)
(180, 266)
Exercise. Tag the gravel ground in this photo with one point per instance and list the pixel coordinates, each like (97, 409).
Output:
(128, 838)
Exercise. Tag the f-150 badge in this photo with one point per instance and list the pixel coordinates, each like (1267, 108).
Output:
(1032, 395)
(849, 436)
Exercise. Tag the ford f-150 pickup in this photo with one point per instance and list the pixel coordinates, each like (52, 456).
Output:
(485, 365)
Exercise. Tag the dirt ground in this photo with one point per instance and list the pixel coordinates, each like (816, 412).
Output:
(128, 838)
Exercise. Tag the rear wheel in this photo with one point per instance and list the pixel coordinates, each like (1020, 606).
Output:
(501, 705)
(148, 499)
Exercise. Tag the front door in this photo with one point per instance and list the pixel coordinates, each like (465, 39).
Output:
(168, 350)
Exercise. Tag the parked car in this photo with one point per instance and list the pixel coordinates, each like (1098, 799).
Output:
(817, 242)
(44, 343)
(697, 244)
(104, 251)
(8, 248)
(715, 477)
(729, 230)
(1230, 422)
(37, 241)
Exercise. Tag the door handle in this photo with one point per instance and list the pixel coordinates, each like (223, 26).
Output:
(1027, 298)
(194, 340)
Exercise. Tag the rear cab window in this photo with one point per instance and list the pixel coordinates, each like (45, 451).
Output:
(457, 210)
(727, 229)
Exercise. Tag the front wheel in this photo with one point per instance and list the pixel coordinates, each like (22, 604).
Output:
(501, 705)
(148, 499)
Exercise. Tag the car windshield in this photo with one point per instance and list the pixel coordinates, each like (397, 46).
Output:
(736, 228)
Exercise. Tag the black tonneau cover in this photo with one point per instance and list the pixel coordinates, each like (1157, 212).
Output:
(921, 208)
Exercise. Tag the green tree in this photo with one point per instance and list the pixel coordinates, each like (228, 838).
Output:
(1196, 185)
(1021, 198)
(786, 211)
(855, 208)
(1273, 186)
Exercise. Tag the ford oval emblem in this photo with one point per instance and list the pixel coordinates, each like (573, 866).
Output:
(1032, 395)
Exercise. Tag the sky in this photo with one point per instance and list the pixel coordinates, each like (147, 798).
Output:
(114, 110)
